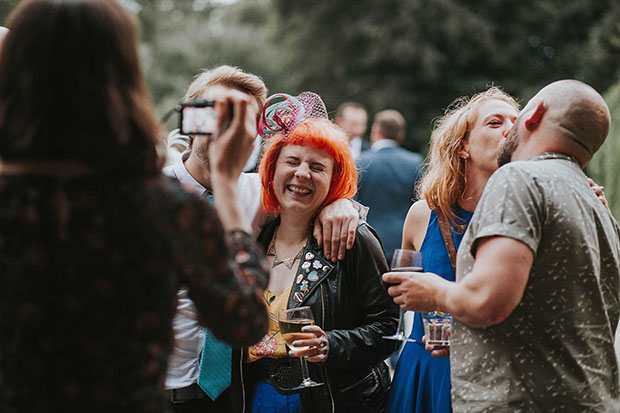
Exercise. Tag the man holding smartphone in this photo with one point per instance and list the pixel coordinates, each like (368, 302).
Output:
(201, 369)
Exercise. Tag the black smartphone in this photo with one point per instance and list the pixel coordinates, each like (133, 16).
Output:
(197, 117)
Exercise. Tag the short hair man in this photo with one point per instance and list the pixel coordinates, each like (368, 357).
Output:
(537, 294)
(387, 178)
(352, 118)
(187, 374)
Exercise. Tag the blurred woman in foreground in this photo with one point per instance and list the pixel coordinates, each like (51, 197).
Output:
(462, 157)
(93, 241)
(306, 166)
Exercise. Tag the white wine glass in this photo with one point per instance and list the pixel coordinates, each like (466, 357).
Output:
(405, 261)
(292, 321)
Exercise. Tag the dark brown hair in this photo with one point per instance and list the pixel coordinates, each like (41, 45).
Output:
(71, 88)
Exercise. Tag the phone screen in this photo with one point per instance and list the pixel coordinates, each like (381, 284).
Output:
(198, 120)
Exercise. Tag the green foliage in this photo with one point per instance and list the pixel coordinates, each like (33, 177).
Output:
(417, 56)
(179, 42)
(6, 6)
(605, 166)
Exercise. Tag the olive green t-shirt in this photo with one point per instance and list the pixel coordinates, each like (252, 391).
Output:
(555, 352)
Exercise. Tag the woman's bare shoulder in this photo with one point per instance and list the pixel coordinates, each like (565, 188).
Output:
(416, 222)
(419, 210)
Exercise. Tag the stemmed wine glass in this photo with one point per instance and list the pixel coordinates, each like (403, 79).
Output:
(405, 261)
(292, 322)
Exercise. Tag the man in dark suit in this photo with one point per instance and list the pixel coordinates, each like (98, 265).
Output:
(387, 178)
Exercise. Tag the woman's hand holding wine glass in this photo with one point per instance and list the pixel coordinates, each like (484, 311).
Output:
(315, 349)
(299, 332)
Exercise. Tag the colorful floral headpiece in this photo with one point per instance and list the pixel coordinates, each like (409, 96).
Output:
(282, 112)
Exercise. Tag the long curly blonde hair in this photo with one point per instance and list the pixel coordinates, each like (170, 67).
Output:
(443, 184)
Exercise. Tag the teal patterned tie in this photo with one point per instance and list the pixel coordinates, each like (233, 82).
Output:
(215, 366)
(216, 359)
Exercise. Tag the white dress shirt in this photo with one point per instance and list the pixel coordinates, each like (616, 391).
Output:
(355, 145)
(383, 143)
(184, 360)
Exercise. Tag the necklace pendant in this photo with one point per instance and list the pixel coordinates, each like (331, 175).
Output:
(271, 252)
(276, 262)
(289, 263)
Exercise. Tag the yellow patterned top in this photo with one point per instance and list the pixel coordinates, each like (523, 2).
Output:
(272, 345)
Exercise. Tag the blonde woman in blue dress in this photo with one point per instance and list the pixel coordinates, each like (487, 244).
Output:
(462, 157)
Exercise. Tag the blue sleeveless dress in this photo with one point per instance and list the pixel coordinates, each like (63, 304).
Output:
(422, 383)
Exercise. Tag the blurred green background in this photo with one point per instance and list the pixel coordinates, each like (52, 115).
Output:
(415, 56)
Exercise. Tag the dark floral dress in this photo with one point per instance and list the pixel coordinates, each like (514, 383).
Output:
(89, 268)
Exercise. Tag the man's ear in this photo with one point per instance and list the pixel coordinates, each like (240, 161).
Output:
(534, 119)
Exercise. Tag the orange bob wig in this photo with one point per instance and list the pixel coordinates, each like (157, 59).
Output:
(317, 133)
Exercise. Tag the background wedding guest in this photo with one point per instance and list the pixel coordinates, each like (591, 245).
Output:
(353, 118)
(388, 175)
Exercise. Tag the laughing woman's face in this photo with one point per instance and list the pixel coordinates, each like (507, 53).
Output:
(302, 179)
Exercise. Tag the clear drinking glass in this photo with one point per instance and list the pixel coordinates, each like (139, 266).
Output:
(291, 323)
(405, 261)
(436, 328)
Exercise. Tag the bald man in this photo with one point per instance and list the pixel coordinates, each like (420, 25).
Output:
(536, 300)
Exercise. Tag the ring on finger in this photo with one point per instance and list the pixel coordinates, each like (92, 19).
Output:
(323, 343)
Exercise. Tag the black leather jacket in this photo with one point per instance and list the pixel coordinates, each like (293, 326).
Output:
(350, 303)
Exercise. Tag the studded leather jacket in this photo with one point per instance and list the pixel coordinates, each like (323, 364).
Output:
(350, 303)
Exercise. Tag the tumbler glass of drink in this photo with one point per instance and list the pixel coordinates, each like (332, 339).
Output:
(436, 328)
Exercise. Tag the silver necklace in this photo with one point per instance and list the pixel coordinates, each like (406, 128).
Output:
(289, 262)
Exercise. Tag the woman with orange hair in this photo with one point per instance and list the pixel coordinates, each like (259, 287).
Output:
(306, 166)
